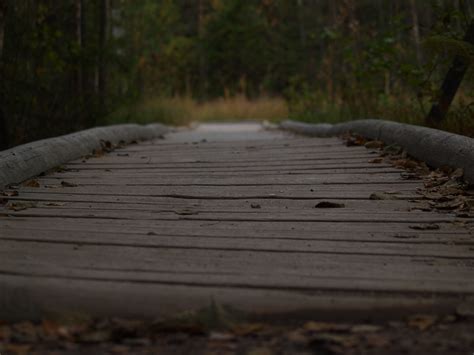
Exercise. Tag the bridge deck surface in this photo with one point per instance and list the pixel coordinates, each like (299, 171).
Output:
(226, 213)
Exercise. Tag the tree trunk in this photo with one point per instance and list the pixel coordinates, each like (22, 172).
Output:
(3, 16)
(416, 30)
(102, 69)
(203, 70)
(3, 124)
(331, 89)
(451, 84)
(301, 24)
(80, 84)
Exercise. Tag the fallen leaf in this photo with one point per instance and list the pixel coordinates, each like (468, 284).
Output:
(10, 193)
(106, 146)
(247, 329)
(373, 144)
(393, 149)
(31, 183)
(68, 184)
(136, 341)
(55, 204)
(430, 226)
(354, 140)
(186, 212)
(406, 164)
(259, 351)
(376, 161)
(409, 176)
(421, 321)
(457, 174)
(450, 205)
(50, 330)
(377, 340)
(466, 309)
(5, 333)
(120, 349)
(24, 332)
(328, 204)
(326, 327)
(218, 336)
(95, 337)
(383, 196)
(297, 336)
(21, 205)
(365, 328)
(60, 169)
(17, 349)
(346, 341)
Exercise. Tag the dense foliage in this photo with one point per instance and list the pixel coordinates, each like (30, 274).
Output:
(64, 64)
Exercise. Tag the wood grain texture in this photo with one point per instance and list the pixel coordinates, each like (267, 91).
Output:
(207, 214)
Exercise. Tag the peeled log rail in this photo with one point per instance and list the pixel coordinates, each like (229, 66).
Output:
(436, 148)
(28, 160)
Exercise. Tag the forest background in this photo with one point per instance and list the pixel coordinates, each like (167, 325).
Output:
(66, 65)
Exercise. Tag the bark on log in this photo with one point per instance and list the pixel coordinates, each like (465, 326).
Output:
(436, 148)
(28, 160)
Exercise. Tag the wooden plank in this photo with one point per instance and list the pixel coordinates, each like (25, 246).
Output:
(360, 191)
(157, 163)
(282, 180)
(332, 246)
(204, 154)
(282, 205)
(242, 173)
(186, 214)
(446, 282)
(184, 159)
(277, 143)
(149, 300)
(185, 170)
(244, 268)
(196, 259)
(446, 233)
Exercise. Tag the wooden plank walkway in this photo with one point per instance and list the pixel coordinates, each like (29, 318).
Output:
(226, 213)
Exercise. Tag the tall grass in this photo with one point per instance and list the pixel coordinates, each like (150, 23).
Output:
(184, 110)
(317, 109)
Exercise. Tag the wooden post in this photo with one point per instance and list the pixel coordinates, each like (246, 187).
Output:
(451, 84)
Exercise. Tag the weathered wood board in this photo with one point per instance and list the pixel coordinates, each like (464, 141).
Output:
(228, 213)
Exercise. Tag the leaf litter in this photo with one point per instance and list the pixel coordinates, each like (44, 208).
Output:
(21, 205)
(444, 189)
(219, 330)
(32, 183)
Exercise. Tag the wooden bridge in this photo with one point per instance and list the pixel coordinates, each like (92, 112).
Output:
(265, 222)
